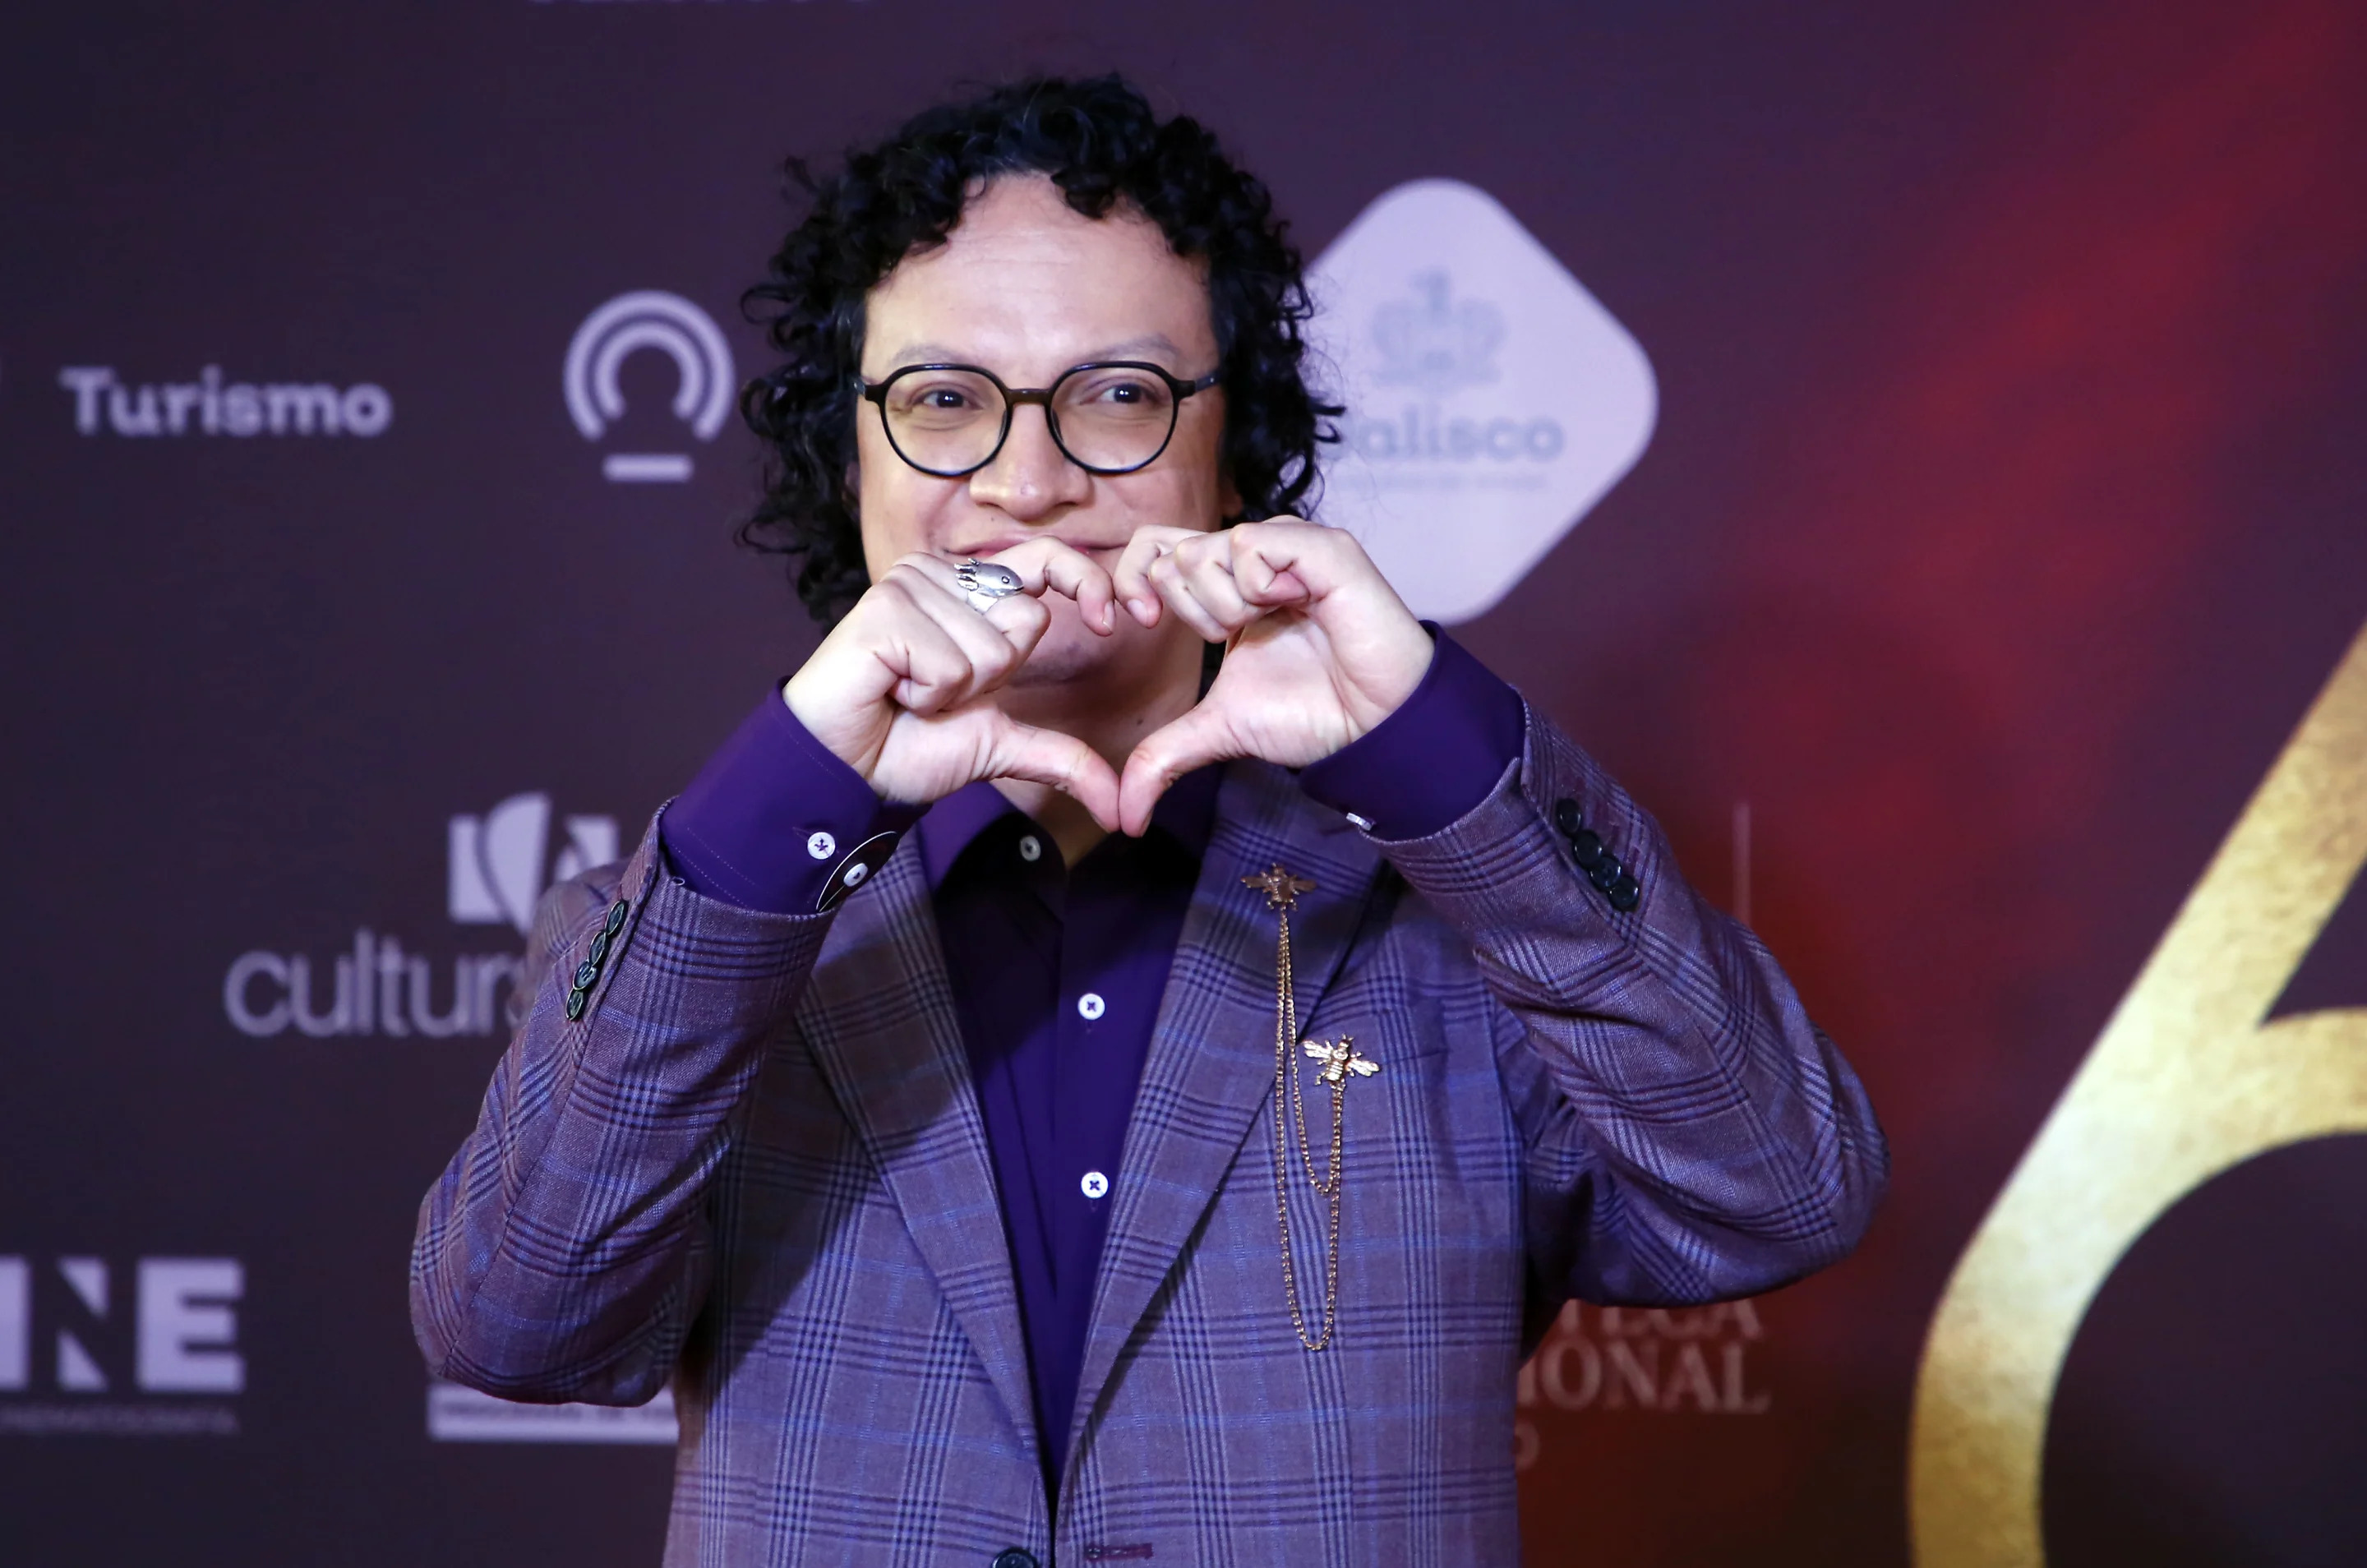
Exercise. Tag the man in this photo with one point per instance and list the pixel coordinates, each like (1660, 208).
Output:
(1023, 1121)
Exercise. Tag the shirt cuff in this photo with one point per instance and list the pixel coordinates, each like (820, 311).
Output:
(1433, 760)
(776, 822)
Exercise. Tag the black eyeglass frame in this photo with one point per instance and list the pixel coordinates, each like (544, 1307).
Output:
(1014, 397)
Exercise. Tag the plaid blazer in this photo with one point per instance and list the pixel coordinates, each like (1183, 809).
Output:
(742, 1153)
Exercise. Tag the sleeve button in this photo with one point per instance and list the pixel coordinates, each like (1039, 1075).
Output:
(1626, 894)
(1586, 848)
(1567, 818)
(617, 913)
(586, 973)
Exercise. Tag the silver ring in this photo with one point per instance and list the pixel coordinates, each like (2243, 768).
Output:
(983, 583)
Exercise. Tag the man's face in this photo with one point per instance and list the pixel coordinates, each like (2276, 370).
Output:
(1026, 287)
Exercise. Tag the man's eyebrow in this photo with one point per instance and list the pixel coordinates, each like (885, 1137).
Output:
(927, 354)
(1151, 343)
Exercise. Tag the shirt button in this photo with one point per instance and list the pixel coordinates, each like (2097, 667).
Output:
(821, 846)
(1031, 849)
(1096, 1185)
(855, 874)
(1090, 1006)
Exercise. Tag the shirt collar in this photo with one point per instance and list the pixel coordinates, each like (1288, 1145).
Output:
(1186, 813)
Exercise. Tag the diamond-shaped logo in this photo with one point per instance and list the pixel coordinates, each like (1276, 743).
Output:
(1491, 400)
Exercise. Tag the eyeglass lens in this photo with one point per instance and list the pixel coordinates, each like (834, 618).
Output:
(1105, 416)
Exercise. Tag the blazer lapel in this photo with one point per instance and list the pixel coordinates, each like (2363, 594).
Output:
(1211, 1061)
(879, 1016)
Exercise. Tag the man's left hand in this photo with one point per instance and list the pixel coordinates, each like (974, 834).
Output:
(1318, 647)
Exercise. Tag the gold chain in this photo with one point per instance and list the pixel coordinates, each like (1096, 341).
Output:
(1282, 892)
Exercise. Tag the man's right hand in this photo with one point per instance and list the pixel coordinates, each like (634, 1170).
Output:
(900, 690)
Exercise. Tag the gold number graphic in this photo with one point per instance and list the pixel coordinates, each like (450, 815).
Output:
(2185, 1082)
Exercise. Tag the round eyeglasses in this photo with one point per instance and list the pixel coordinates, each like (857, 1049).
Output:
(1110, 418)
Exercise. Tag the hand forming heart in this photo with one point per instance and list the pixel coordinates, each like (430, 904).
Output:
(1320, 650)
(1319, 647)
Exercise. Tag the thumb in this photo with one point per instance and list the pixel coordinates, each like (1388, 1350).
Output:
(1166, 754)
(1063, 761)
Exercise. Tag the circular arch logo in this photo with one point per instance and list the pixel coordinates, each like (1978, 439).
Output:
(669, 324)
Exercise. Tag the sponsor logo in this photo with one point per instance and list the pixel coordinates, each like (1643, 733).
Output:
(73, 1360)
(457, 1415)
(705, 382)
(210, 406)
(1438, 345)
(496, 869)
(1491, 400)
(1656, 1361)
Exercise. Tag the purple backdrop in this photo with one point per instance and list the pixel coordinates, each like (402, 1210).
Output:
(2003, 515)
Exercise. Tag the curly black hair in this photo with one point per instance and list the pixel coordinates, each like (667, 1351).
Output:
(1102, 144)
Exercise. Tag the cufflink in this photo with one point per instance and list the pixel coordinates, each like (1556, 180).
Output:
(856, 870)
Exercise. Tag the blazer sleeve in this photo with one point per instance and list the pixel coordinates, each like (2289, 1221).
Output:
(1691, 1136)
(565, 1251)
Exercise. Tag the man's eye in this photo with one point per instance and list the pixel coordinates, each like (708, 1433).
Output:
(1129, 395)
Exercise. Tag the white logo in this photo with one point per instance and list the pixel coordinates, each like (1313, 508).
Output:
(183, 1339)
(495, 862)
(496, 867)
(1435, 344)
(705, 382)
(1491, 400)
(208, 407)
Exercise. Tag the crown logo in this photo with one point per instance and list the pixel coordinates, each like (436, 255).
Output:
(1435, 343)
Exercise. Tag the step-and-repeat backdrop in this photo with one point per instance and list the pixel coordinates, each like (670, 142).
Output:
(1918, 448)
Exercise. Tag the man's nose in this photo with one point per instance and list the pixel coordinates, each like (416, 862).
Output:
(1031, 477)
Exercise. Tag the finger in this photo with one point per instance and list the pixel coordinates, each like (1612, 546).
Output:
(1131, 576)
(1048, 563)
(931, 670)
(1206, 566)
(1167, 580)
(1063, 761)
(996, 642)
(1264, 564)
(1166, 754)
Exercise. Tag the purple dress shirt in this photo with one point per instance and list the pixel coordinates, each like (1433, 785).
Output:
(1056, 971)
